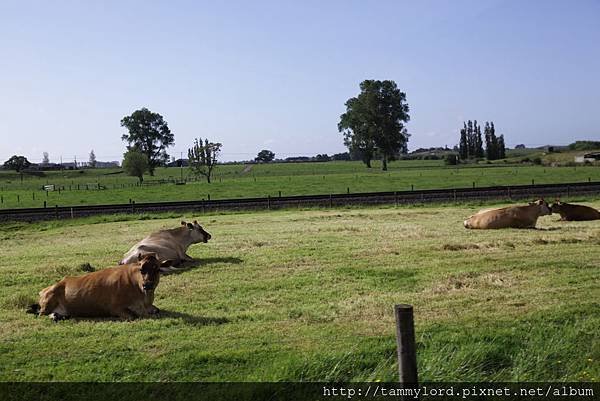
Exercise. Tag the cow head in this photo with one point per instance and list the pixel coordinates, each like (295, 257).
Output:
(557, 206)
(150, 271)
(544, 208)
(196, 231)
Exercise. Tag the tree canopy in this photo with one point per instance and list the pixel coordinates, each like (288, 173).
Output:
(92, 160)
(373, 123)
(150, 134)
(17, 163)
(265, 156)
(135, 164)
(203, 157)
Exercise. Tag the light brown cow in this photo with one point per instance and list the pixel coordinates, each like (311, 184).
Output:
(509, 217)
(169, 245)
(570, 212)
(123, 291)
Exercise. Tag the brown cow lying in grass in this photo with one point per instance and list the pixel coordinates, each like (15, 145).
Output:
(169, 245)
(509, 217)
(123, 291)
(570, 212)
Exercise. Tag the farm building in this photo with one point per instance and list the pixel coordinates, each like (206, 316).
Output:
(588, 157)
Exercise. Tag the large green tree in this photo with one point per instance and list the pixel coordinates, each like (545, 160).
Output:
(17, 163)
(149, 133)
(265, 156)
(373, 123)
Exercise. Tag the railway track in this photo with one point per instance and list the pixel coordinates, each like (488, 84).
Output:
(368, 198)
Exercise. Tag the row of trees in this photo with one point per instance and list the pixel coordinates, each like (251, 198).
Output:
(148, 138)
(471, 143)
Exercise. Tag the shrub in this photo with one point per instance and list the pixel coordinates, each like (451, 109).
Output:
(451, 160)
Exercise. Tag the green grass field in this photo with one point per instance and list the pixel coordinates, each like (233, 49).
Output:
(237, 181)
(308, 295)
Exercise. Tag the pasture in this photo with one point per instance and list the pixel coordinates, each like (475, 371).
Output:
(80, 187)
(308, 295)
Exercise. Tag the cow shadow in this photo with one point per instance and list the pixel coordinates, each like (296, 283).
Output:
(190, 319)
(163, 314)
(203, 262)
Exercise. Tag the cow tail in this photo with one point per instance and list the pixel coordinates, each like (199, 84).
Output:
(33, 308)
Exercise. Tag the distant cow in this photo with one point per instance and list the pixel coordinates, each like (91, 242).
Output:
(123, 291)
(509, 217)
(169, 245)
(570, 212)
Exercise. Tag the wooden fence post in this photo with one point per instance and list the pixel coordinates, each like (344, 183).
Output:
(405, 340)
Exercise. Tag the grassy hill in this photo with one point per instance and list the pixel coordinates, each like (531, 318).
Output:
(260, 180)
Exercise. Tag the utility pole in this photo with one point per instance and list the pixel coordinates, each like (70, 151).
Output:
(181, 164)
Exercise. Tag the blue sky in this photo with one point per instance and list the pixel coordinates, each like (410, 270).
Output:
(276, 74)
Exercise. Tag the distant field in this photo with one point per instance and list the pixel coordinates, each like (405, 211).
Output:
(308, 295)
(239, 181)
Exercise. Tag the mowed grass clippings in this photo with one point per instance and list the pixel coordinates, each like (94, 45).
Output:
(309, 294)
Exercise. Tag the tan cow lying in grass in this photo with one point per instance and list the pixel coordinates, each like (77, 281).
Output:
(169, 245)
(570, 212)
(123, 291)
(509, 217)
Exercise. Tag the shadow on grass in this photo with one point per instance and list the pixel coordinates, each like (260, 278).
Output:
(191, 319)
(163, 314)
(202, 262)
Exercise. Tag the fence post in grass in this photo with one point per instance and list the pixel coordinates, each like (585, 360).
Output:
(44, 204)
(568, 191)
(269, 202)
(509, 195)
(589, 179)
(395, 198)
(1, 199)
(56, 211)
(208, 196)
(280, 194)
(46, 193)
(405, 340)
(412, 187)
(532, 182)
(72, 213)
(330, 200)
(18, 199)
(348, 190)
(33, 195)
(473, 184)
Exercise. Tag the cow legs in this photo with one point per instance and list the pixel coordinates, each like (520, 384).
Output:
(152, 310)
(57, 317)
(127, 314)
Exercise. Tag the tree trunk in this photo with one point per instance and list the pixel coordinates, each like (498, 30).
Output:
(368, 163)
(384, 163)
(208, 178)
(141, 178)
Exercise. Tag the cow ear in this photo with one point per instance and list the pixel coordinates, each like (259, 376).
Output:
(183, 223)
(140, 256)
(190, 225)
